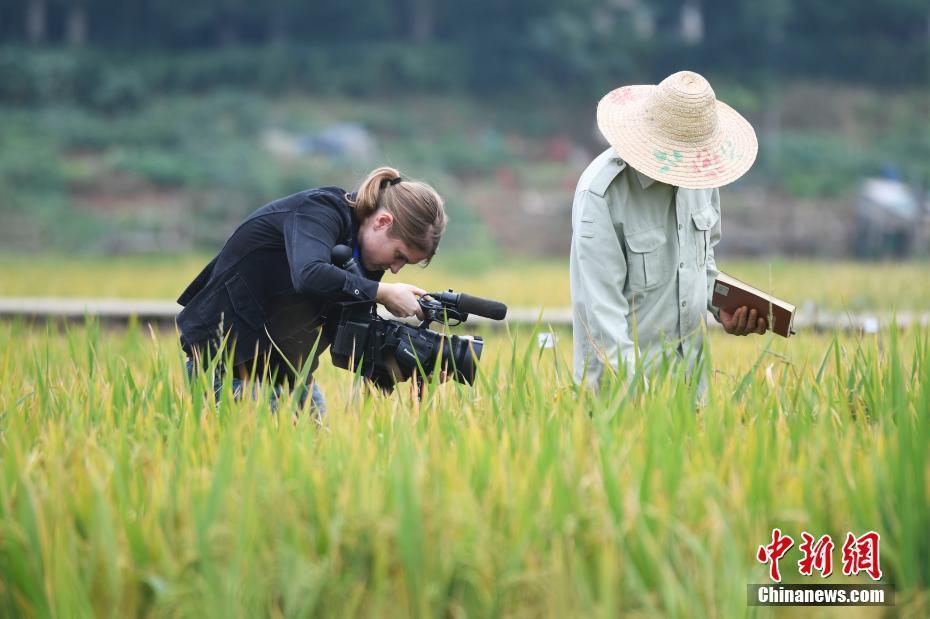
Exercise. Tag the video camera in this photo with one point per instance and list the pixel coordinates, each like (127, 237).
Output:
(391, 351)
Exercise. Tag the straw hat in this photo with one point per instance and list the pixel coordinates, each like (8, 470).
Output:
(677, 132)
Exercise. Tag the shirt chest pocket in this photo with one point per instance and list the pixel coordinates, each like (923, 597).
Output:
(646, 265)
(703, 223)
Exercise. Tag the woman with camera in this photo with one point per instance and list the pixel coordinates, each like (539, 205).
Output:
(267, 299)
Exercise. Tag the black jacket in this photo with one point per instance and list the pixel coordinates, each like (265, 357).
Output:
(274, 279)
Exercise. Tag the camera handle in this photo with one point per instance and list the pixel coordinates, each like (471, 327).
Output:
(434, 310)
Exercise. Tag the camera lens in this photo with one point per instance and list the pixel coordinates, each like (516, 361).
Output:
(462, 353)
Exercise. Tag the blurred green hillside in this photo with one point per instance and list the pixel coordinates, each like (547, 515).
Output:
(179, 172)
(139, 127)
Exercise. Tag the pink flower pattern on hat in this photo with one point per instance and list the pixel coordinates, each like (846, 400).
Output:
(621, 95)
(706, 164)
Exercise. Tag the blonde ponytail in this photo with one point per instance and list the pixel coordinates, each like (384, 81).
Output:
(418, 211)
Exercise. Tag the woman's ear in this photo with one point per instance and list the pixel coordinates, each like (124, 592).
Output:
(383, 220)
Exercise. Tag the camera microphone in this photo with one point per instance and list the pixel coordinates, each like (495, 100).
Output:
(495, 310)
(342, 257)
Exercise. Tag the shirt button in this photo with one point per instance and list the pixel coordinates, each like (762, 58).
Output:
(684, 303)
(681, 265)
(356, 291)
(680, 226)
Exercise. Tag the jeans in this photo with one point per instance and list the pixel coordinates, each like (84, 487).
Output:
(317, 401)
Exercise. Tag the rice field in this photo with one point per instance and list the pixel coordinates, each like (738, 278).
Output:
(124, 492)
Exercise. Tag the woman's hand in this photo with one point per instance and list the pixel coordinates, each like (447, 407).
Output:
(400, 299)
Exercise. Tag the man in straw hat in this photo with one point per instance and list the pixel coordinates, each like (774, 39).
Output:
(645, 220)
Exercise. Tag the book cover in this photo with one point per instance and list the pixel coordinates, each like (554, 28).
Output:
(731, 294)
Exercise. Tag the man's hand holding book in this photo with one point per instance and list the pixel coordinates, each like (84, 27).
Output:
(745, 309)
(742, 322)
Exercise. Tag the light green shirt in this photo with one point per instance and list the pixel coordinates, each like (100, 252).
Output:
(642, 255)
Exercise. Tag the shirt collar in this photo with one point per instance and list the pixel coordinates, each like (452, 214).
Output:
(644, 181)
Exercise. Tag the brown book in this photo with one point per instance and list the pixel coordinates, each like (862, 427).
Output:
(730, 294)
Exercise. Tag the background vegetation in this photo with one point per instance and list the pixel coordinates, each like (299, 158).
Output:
(143, 126)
